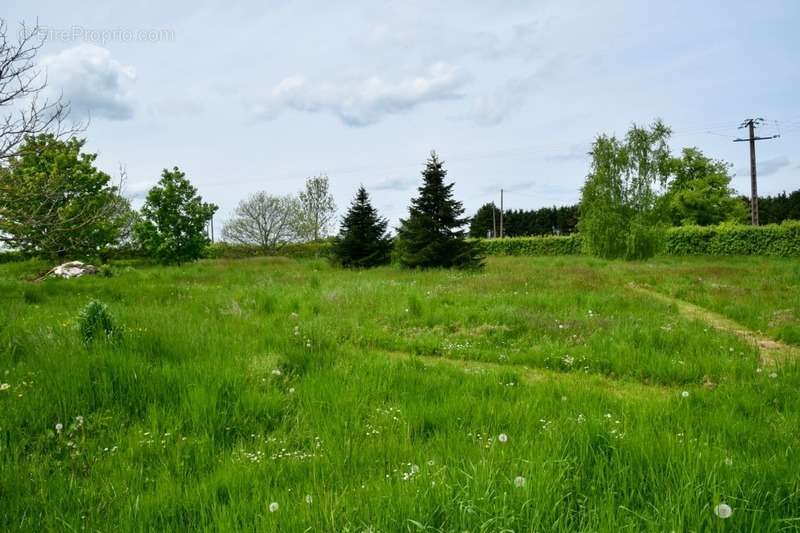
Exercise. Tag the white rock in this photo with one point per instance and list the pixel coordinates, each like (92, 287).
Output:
(74, 269)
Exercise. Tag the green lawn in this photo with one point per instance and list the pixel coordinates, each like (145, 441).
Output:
(376, 400)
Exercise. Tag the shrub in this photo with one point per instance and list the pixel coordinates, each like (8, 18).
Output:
(95, 321)
(12, 256)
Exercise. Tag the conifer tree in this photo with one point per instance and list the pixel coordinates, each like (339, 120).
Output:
(432, 235)
(362, 239)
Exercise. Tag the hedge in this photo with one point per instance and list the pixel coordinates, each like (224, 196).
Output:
(221, 250)
(568, 245)
(782, 240)
(11, 256)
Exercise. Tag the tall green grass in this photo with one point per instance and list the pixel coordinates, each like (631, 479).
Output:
(236, 384)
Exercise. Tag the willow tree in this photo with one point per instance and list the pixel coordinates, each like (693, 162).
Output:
(621, 212)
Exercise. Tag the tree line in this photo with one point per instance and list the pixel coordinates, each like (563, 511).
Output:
(521, 223)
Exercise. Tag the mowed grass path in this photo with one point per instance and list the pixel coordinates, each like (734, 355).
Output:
(376, 400)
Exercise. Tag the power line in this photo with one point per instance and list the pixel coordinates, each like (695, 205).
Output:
(751, 124)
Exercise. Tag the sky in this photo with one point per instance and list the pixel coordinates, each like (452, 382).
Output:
(257, 96)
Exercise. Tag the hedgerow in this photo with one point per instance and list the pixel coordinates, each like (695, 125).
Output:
(221, 250)
(781, 240)
(568, 245)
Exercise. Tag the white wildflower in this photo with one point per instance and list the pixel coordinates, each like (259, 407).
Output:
(309, 499)
(4, 386)
(519, 481)
(685, 394)
(276, 372)
(273, 507)
(773, 375)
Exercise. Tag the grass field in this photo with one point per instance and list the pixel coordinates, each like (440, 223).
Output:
(544, 394)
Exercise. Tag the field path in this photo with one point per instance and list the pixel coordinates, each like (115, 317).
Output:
(619, 388)
(770, 350)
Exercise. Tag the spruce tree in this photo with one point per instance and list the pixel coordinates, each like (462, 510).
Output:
(431, 236)
(362, 239)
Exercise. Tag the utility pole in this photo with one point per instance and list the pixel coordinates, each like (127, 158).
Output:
(494, 222)
(751, 124)
(501, 213)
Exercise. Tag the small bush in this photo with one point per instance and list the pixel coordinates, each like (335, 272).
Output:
(96, 322)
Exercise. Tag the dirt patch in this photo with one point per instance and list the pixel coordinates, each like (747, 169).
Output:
(771, 351)
(618, 388)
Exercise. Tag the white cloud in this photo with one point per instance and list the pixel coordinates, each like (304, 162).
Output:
(767, 167)
(394, 184)
(493, 108)
(93, 82)
(365, 101)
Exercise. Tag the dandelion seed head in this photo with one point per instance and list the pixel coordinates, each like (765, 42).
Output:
(723, 510)
(273, 507)
(502, 437)
(59, 427)
(276, 372)
(519, 481)
(309, 499)
(4, 386)
(685, 394)
(773, 375)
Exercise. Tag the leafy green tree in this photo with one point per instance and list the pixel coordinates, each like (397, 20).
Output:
(55, 203)
(431, 236)
(484, 223)
(362, 240)
(172, 226)
(620, 207)
(700, 192)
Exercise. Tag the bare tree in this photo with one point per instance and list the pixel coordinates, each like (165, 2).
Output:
(317, 209)
(21, 87)
(263, 220)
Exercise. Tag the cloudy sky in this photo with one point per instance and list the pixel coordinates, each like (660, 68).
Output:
(248, 96)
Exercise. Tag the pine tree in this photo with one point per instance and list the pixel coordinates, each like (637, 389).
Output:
(431, 236)
(362, 240)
